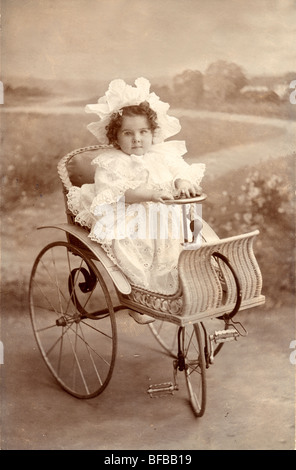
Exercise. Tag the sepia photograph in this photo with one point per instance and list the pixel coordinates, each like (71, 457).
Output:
(147, 227)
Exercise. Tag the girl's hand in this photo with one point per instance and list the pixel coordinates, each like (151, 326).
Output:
(185, 189)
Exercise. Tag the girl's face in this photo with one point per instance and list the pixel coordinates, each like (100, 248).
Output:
(135, 136)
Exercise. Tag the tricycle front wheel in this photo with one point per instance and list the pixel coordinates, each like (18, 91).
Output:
(194, 363)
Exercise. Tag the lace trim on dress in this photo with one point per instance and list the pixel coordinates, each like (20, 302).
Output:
(82, 217)
(112, 195)
(119, 164)
(73, 198)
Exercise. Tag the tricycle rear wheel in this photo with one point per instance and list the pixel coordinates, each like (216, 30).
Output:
(73, 319)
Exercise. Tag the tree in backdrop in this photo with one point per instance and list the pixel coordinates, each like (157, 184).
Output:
(223, 80)
(187, 88)
(163, 91)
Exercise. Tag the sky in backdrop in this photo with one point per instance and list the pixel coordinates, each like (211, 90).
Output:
(64, 39)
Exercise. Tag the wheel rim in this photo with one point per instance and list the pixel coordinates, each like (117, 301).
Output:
(195, 370)
(76, 342)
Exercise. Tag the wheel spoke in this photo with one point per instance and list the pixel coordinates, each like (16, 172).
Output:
(60, 338)
(46, 298)
(194, 368)
(90, 348)
(54, 282)
(57, 281)
(90, 351)
(165, 334)
(44, 295)
(78, 365)
(97, 329)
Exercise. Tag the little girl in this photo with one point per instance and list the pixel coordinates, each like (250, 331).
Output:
(125, 207)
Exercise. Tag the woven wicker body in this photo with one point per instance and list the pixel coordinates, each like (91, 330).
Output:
(74, 309)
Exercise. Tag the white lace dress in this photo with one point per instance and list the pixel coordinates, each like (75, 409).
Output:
(143, 239)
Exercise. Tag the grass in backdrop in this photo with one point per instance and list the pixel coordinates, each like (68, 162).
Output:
(33, 143)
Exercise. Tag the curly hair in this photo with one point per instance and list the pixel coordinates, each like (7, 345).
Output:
(143, 109)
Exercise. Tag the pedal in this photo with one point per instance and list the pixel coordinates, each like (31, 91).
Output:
(221, 336)
(224, 335)
(158, 390)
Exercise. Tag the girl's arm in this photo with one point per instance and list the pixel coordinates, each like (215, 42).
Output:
(143, 194)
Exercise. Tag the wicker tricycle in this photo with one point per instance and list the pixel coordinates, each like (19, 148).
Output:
(75, 291)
